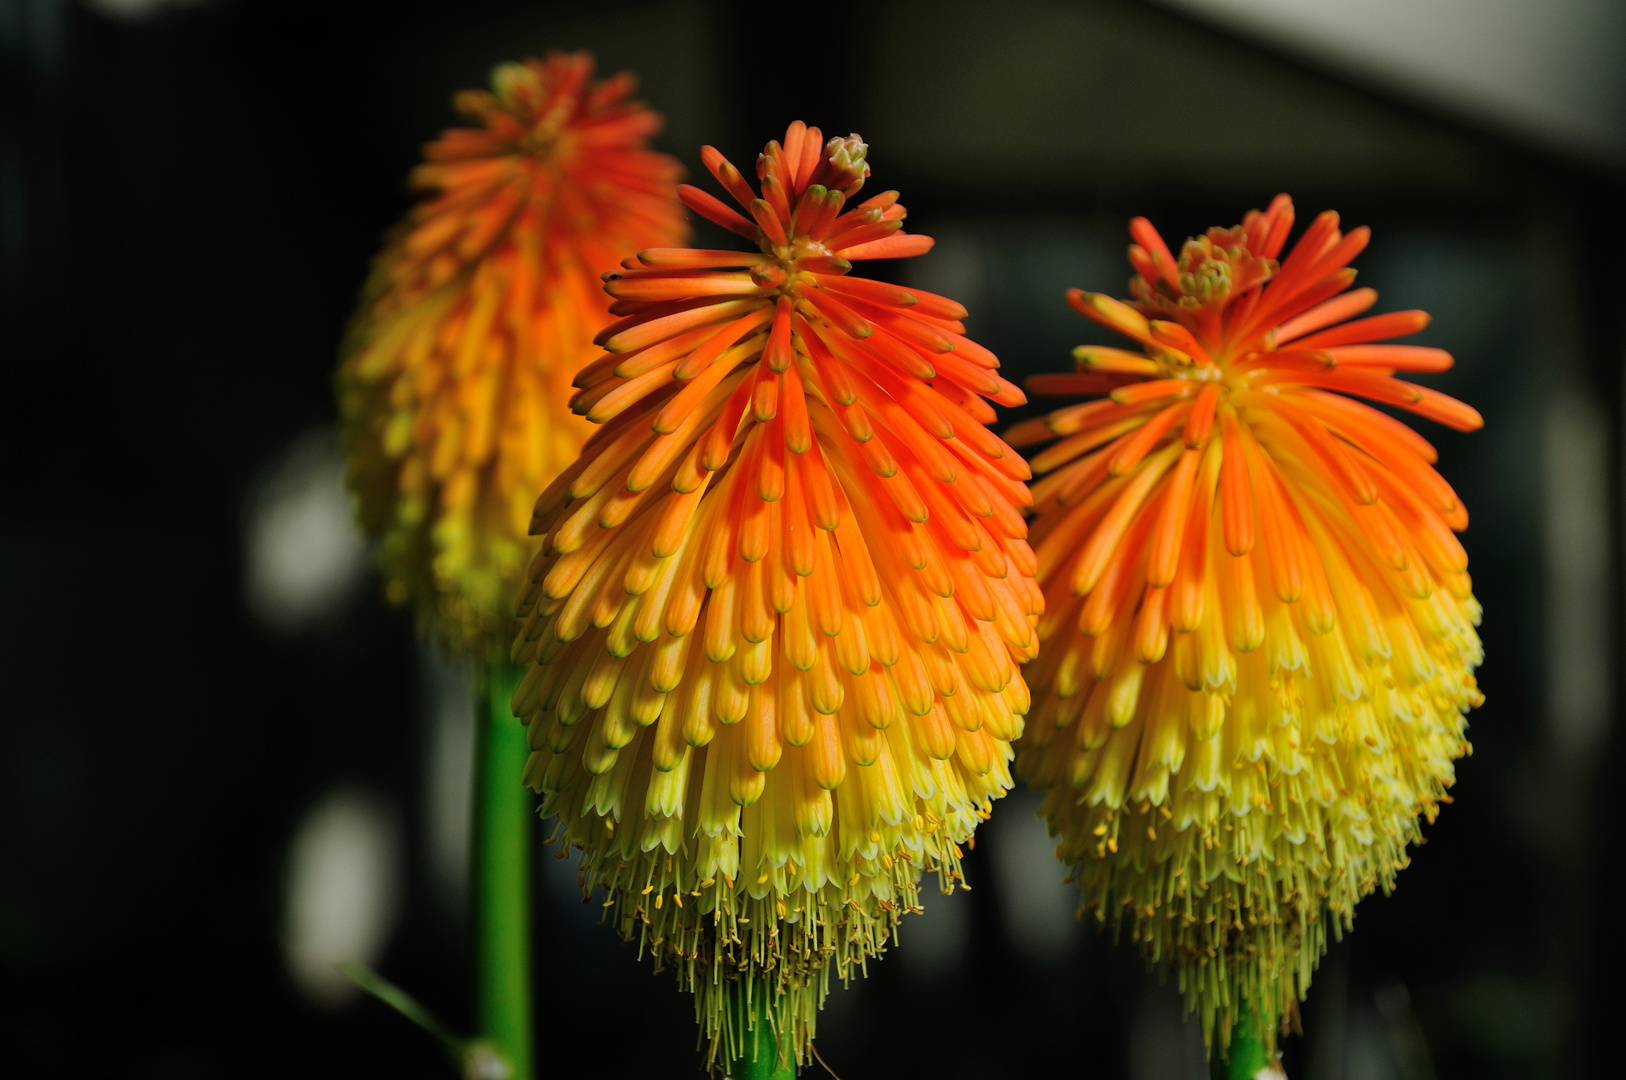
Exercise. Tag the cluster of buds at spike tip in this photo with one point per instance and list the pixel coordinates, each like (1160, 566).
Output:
(477, 314)
(1259, 635)
(773, 637)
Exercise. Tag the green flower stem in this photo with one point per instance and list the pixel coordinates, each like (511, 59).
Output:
(502, 874)
(1247, 1054)
(759, 1057)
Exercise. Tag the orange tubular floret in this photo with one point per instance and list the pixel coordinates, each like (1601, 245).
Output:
(1361, 331)
(1141, 442)
(1162, 261)
(696, 258)
(1258, 641)
(1200, 421)
(1112, 314)
(1276, 527)
(795, 567)
(1236, 492)
(714, 210)
(1155, 390)
(1171, 525)
(896, 246)
(1393, 357)
(1178, 337)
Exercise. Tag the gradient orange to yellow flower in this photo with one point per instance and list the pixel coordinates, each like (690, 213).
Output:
(482, 307)
(1259, 634)
(775, 630)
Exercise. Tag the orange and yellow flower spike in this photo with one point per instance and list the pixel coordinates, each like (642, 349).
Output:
(774, 632)
(481, 308)
(1259, 634)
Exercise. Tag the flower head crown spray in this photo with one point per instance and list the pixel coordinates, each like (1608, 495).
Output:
(1259, 635)
(453, 387)
(478, 313)
(775, 628)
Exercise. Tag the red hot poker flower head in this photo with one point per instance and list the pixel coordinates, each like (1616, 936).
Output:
(1259, 632)
(476, 316)
(775, 626)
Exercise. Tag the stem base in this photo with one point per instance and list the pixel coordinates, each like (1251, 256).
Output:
(502, 873)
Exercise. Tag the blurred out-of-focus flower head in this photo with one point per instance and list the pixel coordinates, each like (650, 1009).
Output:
(773, 635)
(482, 306)
(1259, 634)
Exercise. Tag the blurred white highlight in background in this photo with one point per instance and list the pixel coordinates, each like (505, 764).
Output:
(344, 880)
(303, 560)
(448, 697)
(1575, 489)
(138, 10)
(1038, 905)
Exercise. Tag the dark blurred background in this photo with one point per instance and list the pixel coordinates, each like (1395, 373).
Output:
(224, 763)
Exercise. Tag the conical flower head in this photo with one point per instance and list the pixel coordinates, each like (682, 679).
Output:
(482, 306)
(775, 629)
(1259, 632)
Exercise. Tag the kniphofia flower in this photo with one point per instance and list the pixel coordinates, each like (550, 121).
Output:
(1259, 634)
(775, 629)
(479, 311)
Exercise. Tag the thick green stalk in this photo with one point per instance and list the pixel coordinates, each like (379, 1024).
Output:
(1246, 1055)
(759, 1057)
(502, 874)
